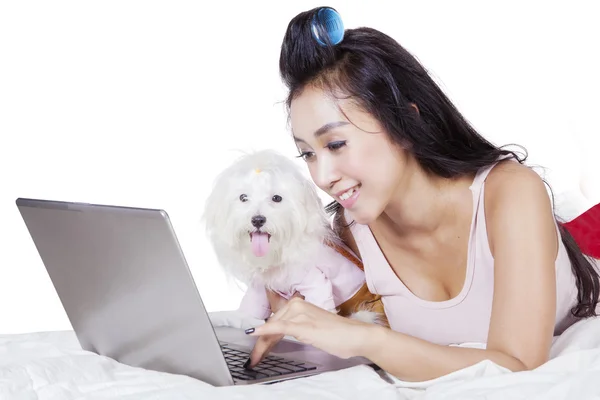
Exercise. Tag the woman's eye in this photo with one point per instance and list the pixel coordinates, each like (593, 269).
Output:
(306, 155)
(243, 198)
(336, 145)
(277, 198)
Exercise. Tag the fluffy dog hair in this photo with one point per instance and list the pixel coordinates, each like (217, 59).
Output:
(268, 184)
(298, 226)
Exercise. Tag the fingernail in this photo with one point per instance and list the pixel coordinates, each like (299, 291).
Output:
(248, 331)
(247, 364)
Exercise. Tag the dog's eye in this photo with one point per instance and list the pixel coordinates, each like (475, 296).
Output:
(243, 198)
(277, 198)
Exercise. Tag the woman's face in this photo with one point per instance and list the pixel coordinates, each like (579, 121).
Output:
(349, 156)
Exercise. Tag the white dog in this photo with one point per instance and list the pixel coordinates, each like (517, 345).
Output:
(270, 231)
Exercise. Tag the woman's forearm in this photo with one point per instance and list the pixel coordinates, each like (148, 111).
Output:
(412, 359)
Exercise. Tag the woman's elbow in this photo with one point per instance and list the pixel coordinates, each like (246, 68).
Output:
(515, 364)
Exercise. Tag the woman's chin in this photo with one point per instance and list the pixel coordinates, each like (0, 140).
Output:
(361, 217)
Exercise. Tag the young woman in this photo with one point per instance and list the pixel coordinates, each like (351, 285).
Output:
(456, 234)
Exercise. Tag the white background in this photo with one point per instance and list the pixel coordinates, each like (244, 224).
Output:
(142, 103)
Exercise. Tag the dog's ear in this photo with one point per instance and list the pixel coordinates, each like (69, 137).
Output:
(314, 209)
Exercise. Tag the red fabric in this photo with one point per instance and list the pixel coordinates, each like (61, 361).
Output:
(585, 229)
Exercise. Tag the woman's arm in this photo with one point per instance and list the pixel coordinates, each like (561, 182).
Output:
(524, 242)
(412, 359)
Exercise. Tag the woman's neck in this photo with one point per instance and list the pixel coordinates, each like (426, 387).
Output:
(424, 203)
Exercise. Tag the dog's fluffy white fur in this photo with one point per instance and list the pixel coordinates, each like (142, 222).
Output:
(297, 224)
(269, 186)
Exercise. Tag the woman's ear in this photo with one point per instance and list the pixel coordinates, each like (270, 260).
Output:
(413, 105)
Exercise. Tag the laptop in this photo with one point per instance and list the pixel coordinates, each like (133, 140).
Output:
(127, 290)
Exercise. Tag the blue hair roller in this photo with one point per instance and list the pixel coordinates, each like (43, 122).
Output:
(332, 22)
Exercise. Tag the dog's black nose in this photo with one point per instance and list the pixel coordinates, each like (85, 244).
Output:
(258, 220)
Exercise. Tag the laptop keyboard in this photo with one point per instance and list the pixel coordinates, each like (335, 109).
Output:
(270, 366)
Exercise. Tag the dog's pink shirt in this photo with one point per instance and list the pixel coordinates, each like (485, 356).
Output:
(332, 280)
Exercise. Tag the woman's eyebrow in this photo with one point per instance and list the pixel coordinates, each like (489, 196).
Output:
(324, 129)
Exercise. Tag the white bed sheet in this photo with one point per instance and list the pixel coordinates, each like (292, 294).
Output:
(51, 365)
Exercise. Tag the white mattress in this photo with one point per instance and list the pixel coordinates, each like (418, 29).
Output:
(51, 365)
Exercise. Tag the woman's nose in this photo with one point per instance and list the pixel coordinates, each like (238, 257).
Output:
(327, 173)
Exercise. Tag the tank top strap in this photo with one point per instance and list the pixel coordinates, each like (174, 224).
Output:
(483, 173)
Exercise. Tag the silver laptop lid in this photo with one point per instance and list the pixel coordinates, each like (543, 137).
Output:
(125, 285)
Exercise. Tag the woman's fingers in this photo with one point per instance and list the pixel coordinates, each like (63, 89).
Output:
(273, 331)
(297, 295)
(265, 343)
(269, 336)
(262, 347)
(277, 302)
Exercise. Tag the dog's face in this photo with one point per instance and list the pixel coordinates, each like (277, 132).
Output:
(262, 210)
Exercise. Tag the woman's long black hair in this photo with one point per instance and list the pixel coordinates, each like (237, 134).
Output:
(385, 79)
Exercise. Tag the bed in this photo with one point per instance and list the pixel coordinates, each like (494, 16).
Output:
(52, 365)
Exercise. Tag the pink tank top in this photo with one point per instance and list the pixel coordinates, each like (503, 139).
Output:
(466, 317)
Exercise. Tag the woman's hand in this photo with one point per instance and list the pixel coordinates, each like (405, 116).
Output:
(277, 302)
(265, 343)
(311, 325)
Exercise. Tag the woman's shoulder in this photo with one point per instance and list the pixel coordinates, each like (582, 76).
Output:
(516, 196)
(510, 180)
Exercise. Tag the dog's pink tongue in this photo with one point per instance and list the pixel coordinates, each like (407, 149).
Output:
(260, 243)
